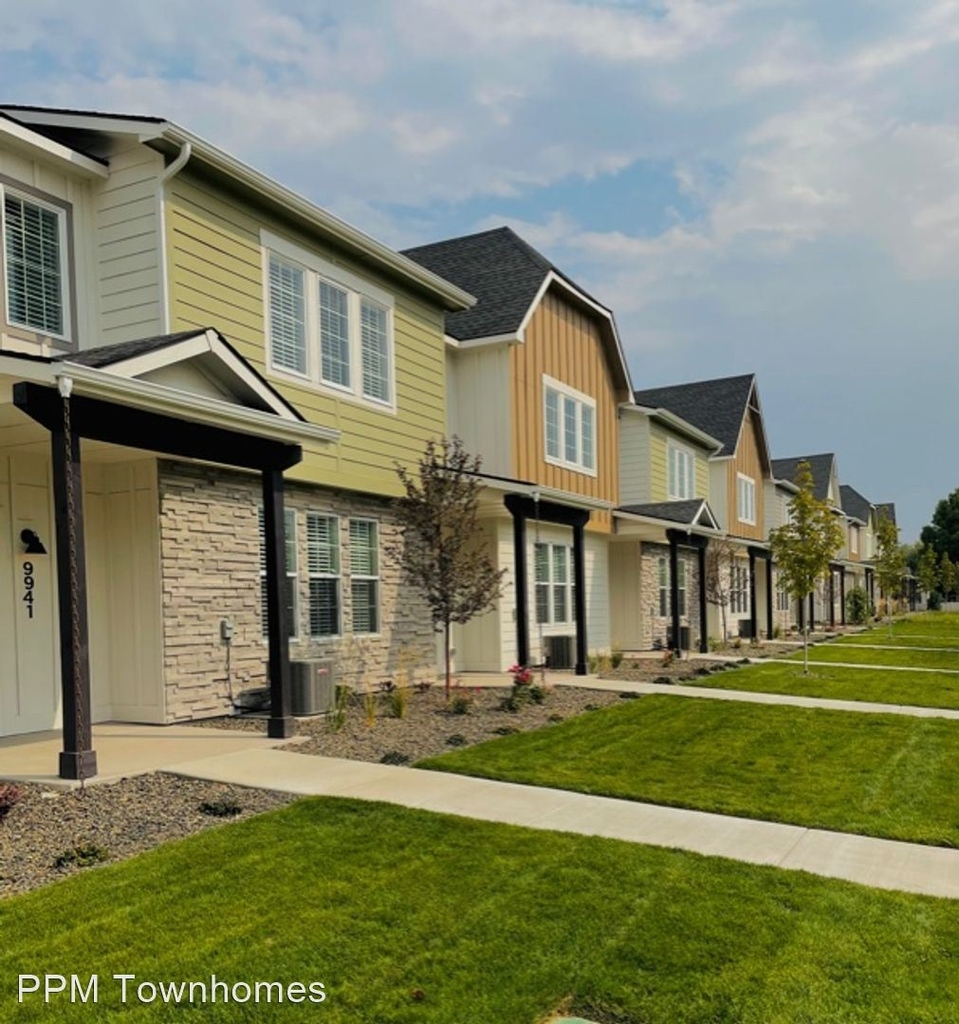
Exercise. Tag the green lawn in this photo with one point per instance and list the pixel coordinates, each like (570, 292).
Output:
(943, 626)
(871, 656)
(487, 923)
(882, 637)
(881, 775)
(922, 689)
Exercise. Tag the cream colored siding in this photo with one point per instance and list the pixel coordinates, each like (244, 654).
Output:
(477, 644)
(658, 471)
(625, 578)
(702, 476)
(718, 498)
(633, 458)
(216, 275)
(128, 248)
(479, 410)
(124, 591)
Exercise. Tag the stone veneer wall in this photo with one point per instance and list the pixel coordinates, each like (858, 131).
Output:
(210, 567)
(655, 626)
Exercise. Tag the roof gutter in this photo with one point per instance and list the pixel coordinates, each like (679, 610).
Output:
(677, 423)
(451, 297)
(186, 151)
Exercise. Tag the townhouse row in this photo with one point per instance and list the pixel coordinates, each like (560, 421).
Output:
(206, 383)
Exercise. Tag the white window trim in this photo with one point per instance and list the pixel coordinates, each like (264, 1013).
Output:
(662, 572)
(566, 391)
(65, 270)
(551, 584)
(315, 269)
(741, 478)
(310, 575)
(673, 448)
(378, 578)
(295, 575)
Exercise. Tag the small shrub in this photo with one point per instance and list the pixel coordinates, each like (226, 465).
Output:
(603, 665)
(592, 661)
(625, 695)
(555, 718)
(591, 707)
(83, 856)
(537, 693)
(615, 658)
(668, 658)
(933, 602)
(506, 730)
(336, 716)
(702, 671)
(369, 707)
(10, 796)
(461, 703)
(858, 607)
(663, 680)
(223, 807)
(395, 757)
(398, 698)
(423, 686)
(777, 632)
(456, 740)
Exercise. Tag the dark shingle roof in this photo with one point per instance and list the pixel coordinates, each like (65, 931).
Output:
(889, 508)
(854, 504)
(107, 355)
(715, 406)
(820, 465)
(502, 271)
(685, 512)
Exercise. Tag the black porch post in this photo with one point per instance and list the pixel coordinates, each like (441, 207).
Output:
(812, 612)
(674, 588)
(753, 625)
(519, 571)
(701, 557)
(842, 596)
(78, 760)
(579, 597)
(832, 597)
(281, 722)
(802, 614)
(769, 596)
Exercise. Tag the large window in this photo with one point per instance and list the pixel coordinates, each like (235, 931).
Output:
(554, 590)
(746, 499)
(569, 427)
(664, 600)
(289, 590)
(328, 325)
(323, 558)
(681, 472)
(739, 590)
(365, 575)
(783, 599)
(34, 253)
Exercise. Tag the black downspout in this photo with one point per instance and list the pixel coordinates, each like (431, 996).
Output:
(281, 724)
(522, 602)
(769, 597)
(842, 596)
(579, 581)
(701, 565)
(674, 589)
(832, 597)
(753, 622)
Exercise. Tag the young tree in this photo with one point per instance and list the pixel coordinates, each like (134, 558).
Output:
(942, 534)
(804, 547)
(927, 571)
(439, 553)
(948, 576)
(890, 563)
(720, 555)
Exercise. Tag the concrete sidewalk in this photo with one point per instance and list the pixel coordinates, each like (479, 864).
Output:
(755, 697)
(877, 862)
(853, 664)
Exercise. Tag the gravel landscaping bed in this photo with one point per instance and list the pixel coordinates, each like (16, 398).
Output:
(119, 819)
(429, 727)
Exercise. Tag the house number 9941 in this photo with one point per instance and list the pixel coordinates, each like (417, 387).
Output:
(28, 587)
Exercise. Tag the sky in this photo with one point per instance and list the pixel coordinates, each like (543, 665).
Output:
(751, 185)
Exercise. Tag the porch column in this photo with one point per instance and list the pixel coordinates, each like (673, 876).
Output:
(802, 615)
(812, 612)
(753, 627)
(579, 597)
(78, 760)
(832, 597)
(519, 573)
(769, 596)
(673, 538)
(701, 565)
(281, 724)
(842, 596)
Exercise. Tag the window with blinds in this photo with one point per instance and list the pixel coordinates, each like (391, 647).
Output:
(34, 256)
(365, 575)
(329, 325)
(323, 556)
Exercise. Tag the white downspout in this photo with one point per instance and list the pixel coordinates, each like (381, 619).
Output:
(170, 172)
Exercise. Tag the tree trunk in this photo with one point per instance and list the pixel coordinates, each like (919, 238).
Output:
(446, 652)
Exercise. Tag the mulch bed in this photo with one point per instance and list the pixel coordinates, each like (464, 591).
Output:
(121, 819)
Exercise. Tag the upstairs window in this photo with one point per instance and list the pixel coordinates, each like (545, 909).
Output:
(746, 499)
(34, 252)
(569, 427)
(681, 472)
(328, 326)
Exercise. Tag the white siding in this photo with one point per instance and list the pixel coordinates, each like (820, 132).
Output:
(128, 248)
(633, 458)
(478, 404)
(718, 499)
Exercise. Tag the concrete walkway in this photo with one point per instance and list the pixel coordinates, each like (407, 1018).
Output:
(877, 862)
(753, 697)
(896, 647)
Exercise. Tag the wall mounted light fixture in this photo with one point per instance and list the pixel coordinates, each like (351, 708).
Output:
(32, 545)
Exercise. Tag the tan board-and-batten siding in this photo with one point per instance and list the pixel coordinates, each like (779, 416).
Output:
(748, 461)
(216, 278)
(564, 343)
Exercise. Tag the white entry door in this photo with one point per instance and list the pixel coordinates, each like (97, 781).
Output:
(29, 662)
